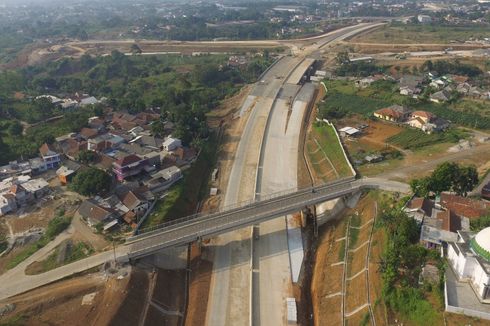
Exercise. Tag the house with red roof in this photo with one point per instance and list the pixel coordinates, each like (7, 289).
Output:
(394, 113)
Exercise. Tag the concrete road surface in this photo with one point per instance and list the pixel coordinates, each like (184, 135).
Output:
(229, 296)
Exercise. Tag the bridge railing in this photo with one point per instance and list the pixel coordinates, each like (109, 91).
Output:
(235, 207)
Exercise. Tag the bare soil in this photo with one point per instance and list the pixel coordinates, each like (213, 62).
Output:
(356, 293)
(132, 306)
(327, 279)
(356, 319)
(61, 303)
(199, 283)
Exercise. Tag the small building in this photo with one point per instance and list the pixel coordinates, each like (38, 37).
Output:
(440, 97)
(7, 204)
(89, 101)
(92, 213)
(424, 19)
(373, 158)
(88, 133)
(463, 206)
(50, 156)
(409, 91)
(37, 188)
(164, 179)
(394, 113)
(171, 144)
(419, 208)
(66, 172)
(104, 142)
(37, 165)
(349, 132)
(135, 202)
(365, 82)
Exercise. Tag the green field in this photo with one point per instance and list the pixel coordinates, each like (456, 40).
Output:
(326, 137)
(414, 138)
(417, 33)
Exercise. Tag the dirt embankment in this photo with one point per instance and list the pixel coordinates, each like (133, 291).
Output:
(200, 280)
(86, 300)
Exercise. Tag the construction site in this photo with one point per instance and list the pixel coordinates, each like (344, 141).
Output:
(315, 265)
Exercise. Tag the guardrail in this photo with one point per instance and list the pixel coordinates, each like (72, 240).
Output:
(234, 207)
(235, 220)
(201, 226)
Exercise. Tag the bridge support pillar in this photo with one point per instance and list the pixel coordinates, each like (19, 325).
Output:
(315, 222)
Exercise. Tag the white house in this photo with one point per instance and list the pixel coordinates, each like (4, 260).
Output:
(469, 257)
(164, 179)
(171, 144)
(424, 19)
(89, 101)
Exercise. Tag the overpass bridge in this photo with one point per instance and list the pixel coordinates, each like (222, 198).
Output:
(201, 226)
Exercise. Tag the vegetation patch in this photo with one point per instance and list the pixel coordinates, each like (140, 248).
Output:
(401, 265)
(415, 138)
(331, 147)
(67, 252)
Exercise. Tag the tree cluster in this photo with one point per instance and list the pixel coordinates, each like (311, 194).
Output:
(443, 67)
(91, 181)
(448, 176)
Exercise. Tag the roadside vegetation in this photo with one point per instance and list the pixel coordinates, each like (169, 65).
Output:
(401, 265)
(57, 225)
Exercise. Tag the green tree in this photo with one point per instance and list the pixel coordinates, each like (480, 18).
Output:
(420, 187)
(135, 49)
(465, 180)
(91, 181)
(157, 128)
(443, 177)
(86, 157)
(343, 57)
(15, 128)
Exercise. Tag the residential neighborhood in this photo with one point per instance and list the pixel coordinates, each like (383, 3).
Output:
(143, 166)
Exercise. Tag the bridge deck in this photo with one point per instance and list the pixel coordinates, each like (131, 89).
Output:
(203, 226)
